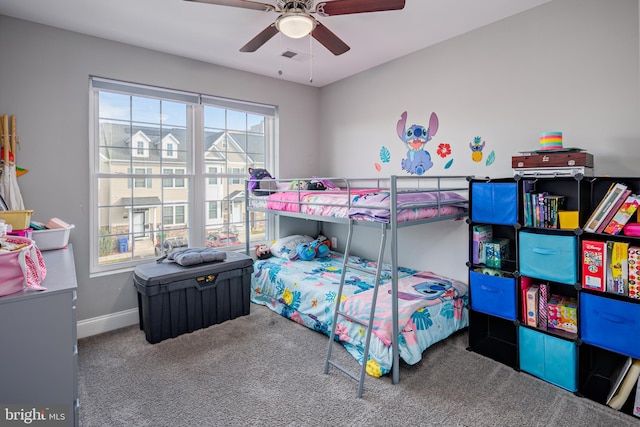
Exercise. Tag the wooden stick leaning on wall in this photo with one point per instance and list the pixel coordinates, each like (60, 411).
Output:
(13, 137)
(5, 138)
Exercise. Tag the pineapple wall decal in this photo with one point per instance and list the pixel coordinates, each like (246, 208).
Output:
(476, 148)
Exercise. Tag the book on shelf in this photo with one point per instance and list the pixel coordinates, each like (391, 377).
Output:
(615, 192)
(532, 203)
(623, 215)
(533, 293)
(594, 265)
(636, 403)
(553, 203)
(541, 209)
(527, 187)
(614, 209)
(617, 376)
(620, 394)
(617, 271)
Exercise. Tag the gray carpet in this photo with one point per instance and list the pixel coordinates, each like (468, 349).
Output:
(264, 370)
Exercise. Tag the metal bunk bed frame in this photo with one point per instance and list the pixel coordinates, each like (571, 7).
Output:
(393, 225)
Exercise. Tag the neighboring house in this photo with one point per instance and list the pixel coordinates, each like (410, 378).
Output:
(155, 205)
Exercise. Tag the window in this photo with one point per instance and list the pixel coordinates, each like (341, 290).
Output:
(237, 172)
(213, 180)
(213, 210)
(173, 182)
(156, 175)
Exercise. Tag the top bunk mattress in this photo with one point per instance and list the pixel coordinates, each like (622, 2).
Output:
(368, 203)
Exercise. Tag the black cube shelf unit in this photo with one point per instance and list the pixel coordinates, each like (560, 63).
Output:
(581, 355)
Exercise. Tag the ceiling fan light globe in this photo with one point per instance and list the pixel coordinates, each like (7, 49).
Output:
(295, 25)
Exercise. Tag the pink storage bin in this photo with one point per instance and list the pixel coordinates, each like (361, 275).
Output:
(27, 232)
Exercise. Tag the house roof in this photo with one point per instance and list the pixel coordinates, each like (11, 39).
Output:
(140, 201)
(220, 145)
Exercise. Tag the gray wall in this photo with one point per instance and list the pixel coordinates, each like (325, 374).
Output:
(44, 82)
(568, 65)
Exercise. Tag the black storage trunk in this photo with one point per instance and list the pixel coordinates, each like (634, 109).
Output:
(173, 299)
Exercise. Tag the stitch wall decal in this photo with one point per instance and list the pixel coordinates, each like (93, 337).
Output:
(418, 160)
(476, 149)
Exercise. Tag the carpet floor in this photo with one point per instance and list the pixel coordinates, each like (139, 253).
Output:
(265, 370)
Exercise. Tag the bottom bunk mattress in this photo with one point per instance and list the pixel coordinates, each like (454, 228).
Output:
(430, 307)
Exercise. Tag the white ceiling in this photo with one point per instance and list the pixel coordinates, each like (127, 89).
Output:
(214, 34)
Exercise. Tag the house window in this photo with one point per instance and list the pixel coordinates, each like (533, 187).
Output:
(238, 174)
(172, 215)
(155, 176)
(178, 181)
(213, 210)
(213, 178)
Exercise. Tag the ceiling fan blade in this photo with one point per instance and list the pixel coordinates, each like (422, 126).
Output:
(264, 36)
(346, 7)
(329, 40)
(245, 4)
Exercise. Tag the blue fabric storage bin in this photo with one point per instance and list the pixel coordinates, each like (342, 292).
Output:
(552, 359)
(549, 257)
(493, 295)
(494, 202)
(610, 324)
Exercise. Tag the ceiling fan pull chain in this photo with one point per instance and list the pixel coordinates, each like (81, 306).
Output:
(310, 59)
(280, 56)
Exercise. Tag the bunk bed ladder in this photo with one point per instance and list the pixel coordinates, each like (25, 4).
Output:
(367, 324)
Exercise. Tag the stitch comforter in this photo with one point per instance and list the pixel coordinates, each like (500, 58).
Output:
(431, 307)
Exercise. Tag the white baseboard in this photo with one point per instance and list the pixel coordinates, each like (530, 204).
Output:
(109, 322)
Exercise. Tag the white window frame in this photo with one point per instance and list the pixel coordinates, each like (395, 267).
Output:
(195, 210)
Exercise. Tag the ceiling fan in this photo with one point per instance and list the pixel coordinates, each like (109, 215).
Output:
(296, 18)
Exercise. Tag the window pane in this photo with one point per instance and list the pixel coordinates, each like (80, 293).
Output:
(236, 120)
(114, 106)
(174, 114)
(145, 110)
(215, 117)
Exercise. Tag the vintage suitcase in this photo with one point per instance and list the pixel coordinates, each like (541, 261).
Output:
(552, 172)
(553, 160)
(173, 300)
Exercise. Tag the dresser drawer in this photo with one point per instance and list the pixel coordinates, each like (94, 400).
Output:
(549, 257)
(610, 324)
(493, 295)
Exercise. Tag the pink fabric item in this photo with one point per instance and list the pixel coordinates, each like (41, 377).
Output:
(306, 201)
(21, 268)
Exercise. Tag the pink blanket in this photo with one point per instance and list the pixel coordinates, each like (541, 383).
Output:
(311, 202)
(414, 292)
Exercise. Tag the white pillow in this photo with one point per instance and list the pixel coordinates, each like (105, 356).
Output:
(285, 247)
